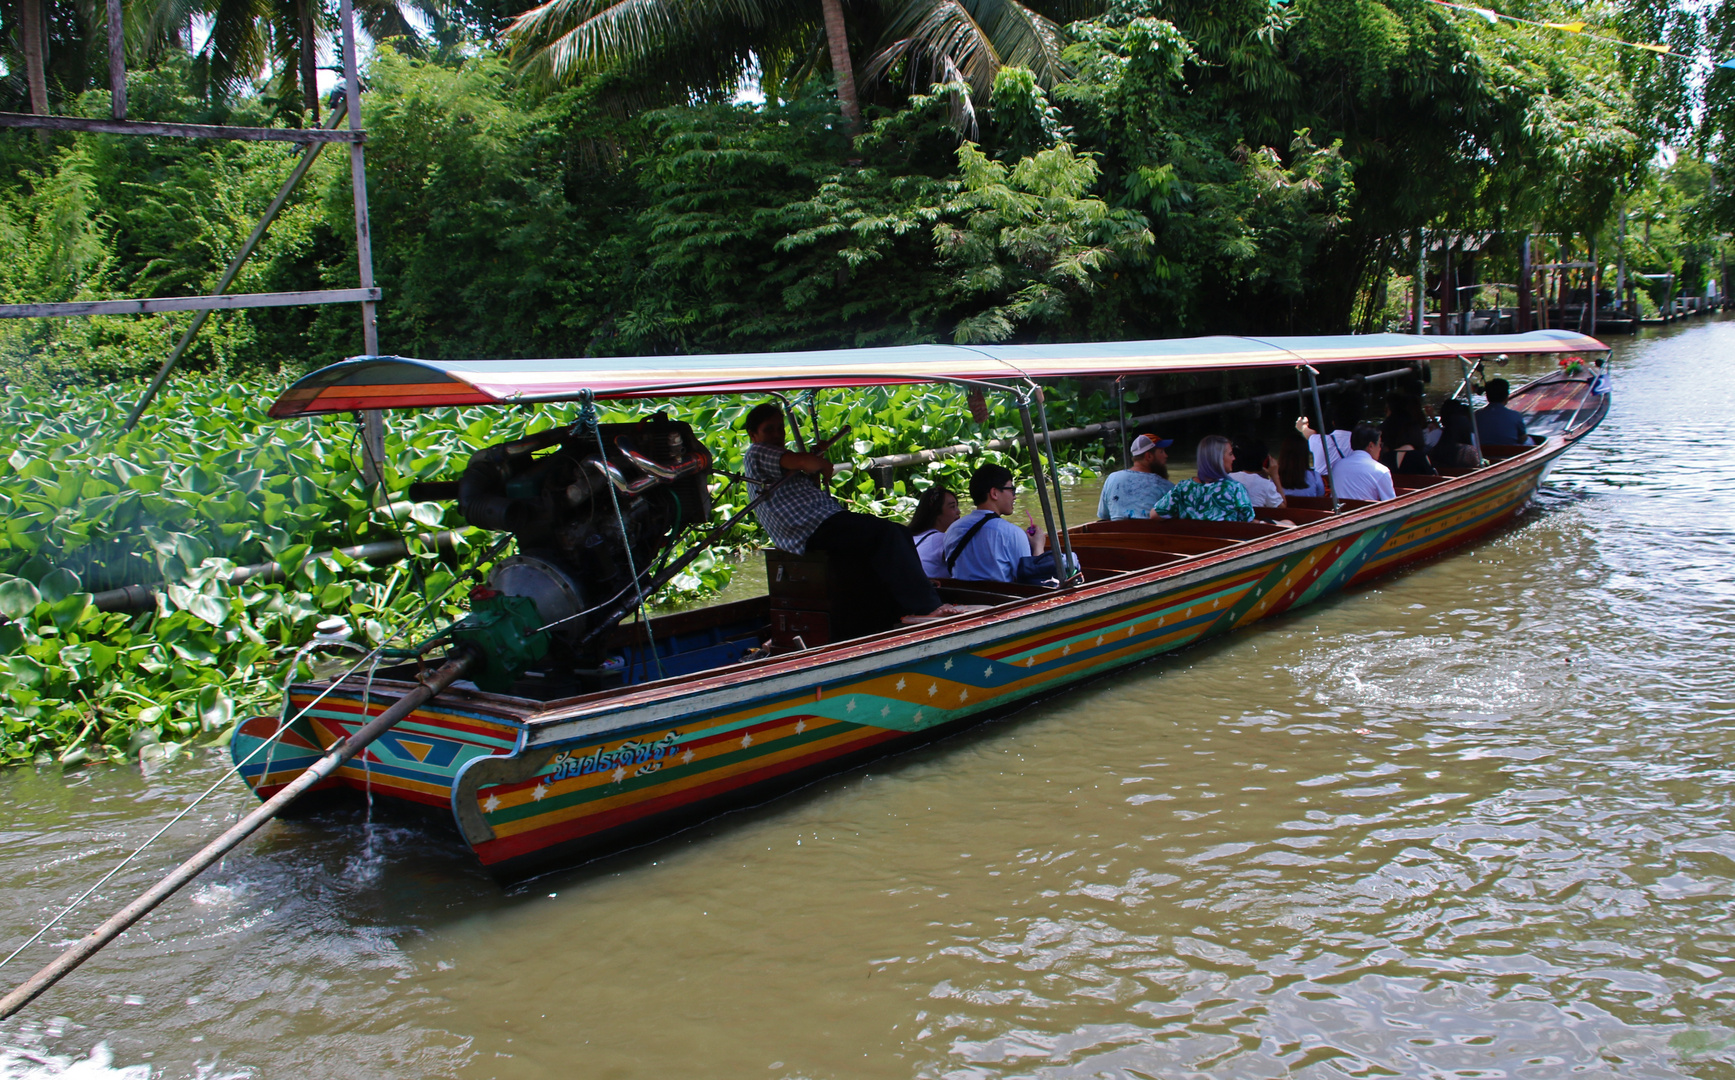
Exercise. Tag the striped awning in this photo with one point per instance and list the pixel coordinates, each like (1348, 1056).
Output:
(396, 382)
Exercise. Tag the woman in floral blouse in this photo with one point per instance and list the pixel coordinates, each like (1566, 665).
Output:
(1211, 497)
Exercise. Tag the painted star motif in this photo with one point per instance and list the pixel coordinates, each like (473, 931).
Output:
(687, 756)
(1030, 661)
(1066, 650)
(933, 688)
(800, 726)
(619, 774)
(849, 706)
(491, 804)
(1099, 639)
(885, 710)
(1187, 613)
(900, 682)
(988, 672)
(963, 696)
(1130, 630)
(948, 663)
(918, 716)
(746, 739)
(539, 792)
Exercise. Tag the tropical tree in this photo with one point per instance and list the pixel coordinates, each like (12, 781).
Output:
(682, 49)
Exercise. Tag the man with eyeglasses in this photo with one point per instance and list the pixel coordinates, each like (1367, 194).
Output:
(982, 545)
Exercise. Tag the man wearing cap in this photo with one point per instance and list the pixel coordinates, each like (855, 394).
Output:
(1130, 493)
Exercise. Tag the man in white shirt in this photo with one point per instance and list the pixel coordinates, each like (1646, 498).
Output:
(1360, 475)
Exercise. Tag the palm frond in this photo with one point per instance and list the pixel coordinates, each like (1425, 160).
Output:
(969, 39)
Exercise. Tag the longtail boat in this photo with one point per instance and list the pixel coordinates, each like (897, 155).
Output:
(582, 734)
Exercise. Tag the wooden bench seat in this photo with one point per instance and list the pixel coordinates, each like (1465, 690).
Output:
(1102, 557)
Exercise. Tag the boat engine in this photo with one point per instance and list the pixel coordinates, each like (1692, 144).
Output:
(573, 552)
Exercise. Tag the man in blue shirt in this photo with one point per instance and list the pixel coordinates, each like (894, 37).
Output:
(799, 516)
(1130, 493)
(1497, 425)
(982, 545)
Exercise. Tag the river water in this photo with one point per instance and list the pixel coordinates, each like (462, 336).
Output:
(1472, 822)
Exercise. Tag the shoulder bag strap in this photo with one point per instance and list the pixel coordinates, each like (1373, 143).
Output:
(952, 559)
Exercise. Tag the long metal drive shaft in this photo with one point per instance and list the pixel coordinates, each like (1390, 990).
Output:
(440, 679)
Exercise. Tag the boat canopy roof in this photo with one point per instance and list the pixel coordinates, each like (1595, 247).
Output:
(396, 382)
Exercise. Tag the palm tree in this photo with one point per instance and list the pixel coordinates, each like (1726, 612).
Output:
(250, 37)
(32, 30)
(702, 46)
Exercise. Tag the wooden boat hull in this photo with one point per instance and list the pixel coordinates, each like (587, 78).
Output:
(533, 785)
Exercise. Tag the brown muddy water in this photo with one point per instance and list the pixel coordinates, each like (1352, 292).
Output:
(1473, 822)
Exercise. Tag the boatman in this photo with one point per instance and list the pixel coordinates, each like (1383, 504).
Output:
(1360, 475)
(799, 516)
(1130, 493)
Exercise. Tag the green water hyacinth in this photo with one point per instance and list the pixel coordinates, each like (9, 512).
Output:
(209, 483)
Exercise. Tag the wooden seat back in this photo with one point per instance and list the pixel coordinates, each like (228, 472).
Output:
(1098, 557)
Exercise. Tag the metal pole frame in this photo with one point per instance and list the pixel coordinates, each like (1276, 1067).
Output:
(1312, 374)
(1035, 461)
(1063, 538)
(1464, 388)
(234, 268)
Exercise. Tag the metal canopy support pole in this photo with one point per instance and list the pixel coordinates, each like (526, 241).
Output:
(1035, 461)
(1063, 538)
(1120, 400)
(117, 59)
(1324, 435)
(1595, 274)
(229, 273)
(1469, 392)
(373, 431)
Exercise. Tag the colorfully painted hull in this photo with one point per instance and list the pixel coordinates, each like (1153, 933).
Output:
(533, 785)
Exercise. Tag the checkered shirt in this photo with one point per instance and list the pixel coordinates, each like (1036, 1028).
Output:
(794, 510)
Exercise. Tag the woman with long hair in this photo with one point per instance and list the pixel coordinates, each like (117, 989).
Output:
(1212, 496)
(1404, 434)
(1295, 473)
(935, 512)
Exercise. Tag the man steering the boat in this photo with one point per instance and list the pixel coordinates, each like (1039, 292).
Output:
(799, 516)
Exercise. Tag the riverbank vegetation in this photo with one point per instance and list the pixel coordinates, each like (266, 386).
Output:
(577, 179)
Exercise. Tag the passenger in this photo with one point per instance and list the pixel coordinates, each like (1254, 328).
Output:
(799, 516)
(1345, 415)
(1295, 473)
(935, 512)
(982, 545)
(1129, 493)
(1253, 470)
(1455, 450)
(1360, 475)
(1404, 435)
(1497, 425)
(1210, 497)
